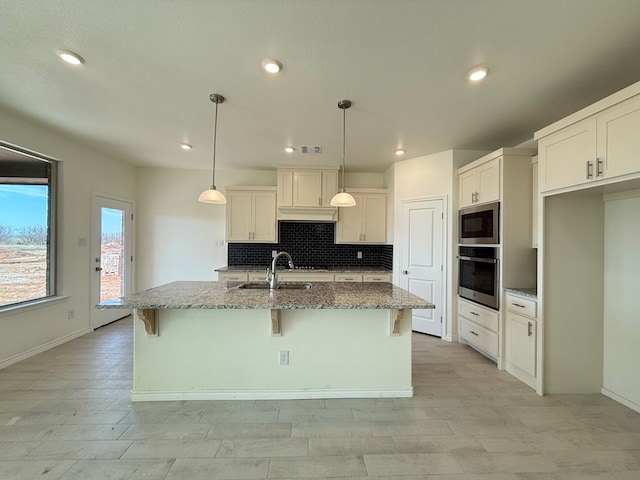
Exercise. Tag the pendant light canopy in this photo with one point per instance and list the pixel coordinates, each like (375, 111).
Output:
(212, 195)
(343, 199)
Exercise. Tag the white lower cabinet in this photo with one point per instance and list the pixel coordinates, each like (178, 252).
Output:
(232, 276)
(304, 277)
(521, 338)
(376, 277)
(480, 328)
(348, 277)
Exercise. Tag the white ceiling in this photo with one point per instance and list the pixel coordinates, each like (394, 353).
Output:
(151, 65)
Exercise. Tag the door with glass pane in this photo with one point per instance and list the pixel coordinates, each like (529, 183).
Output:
(112, 256)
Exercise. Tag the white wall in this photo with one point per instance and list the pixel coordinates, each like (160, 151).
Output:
(432, 176)
(179, 238)
(621, 355)
(24, 332)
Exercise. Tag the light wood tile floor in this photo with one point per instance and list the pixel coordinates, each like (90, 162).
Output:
(66, 414)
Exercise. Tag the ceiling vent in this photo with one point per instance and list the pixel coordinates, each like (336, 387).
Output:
(311, 148)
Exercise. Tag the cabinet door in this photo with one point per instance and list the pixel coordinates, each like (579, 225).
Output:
(307, 188)
(329, 187)
(232, 277)
(522, 343)
(285, 188)
(349, 222)
(374, 218)
(348, 277)
(619, 140)
(264, 217)
(239, 217)
(488, 178)
(467, 186)
(567, 157)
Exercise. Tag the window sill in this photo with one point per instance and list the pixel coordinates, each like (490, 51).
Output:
(31, 305)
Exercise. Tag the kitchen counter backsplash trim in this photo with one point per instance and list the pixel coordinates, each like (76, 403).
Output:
(311, 245)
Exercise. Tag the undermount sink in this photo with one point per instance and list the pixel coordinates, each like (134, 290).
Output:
(281, 286)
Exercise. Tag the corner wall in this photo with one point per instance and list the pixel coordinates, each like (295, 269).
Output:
(82, 171)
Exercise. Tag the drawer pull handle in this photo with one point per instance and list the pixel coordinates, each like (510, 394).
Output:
(518, 305)
(473, 313)
(598, 165)
(529, 329)
(589, 174)
(473, 333)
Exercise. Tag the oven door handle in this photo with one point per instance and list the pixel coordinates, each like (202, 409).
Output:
(481, 260)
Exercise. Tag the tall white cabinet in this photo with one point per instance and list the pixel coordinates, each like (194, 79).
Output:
(505, 176)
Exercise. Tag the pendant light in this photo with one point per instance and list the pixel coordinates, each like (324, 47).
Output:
(212, 195)
(343, 199)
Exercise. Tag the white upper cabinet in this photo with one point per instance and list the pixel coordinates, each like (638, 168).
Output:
(567, 157)
(367, 221)
(619, 139)
(251, 214)
(306, 187)
(480, 184)
(598, 143)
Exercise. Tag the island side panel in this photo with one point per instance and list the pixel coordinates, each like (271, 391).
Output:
(333, 353)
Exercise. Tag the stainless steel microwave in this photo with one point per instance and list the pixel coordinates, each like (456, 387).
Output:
(479, 224)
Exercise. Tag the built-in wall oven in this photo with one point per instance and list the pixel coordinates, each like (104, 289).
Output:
(479, 224)
(478, 275)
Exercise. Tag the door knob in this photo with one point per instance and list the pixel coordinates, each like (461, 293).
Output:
(406, 272)
(98, 269)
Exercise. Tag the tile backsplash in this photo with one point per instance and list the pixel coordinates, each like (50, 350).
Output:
(312, 245)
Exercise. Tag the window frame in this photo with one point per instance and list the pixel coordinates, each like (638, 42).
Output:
(52, 227)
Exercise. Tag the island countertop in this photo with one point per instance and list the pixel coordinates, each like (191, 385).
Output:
(226, 295)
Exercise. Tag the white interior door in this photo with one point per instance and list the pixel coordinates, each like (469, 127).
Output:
(112, 255)
(422, 260)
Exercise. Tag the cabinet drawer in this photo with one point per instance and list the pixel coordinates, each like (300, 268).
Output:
(232, 277)
(376, 277)
(479, 336)
(348, 277)
(256, 276)
(481, 316)
(305, 277)
(520, 305)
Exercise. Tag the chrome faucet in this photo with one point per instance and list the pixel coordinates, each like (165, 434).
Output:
(271, 272)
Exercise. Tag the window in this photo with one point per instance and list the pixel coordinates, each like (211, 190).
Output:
(27, 226)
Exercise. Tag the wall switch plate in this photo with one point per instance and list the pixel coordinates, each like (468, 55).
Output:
(284, 357)
(360, 255)
(71, 314)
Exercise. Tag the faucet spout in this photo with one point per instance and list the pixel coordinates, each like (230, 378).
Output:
(271, 277)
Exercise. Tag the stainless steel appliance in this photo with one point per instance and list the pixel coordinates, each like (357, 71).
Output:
(479, 276)
(479, 224)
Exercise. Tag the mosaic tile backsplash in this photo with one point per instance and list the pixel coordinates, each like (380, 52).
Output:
(311, 245)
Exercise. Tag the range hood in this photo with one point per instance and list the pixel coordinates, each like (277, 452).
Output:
(311, 214)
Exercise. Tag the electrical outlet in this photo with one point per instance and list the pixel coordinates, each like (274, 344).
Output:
(284, 357)
(360, 255)
(71, 314)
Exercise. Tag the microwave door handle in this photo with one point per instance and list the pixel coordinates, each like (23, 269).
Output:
(481, 260)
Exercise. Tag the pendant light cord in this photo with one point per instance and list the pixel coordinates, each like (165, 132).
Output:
(215, 135)
(344, 140)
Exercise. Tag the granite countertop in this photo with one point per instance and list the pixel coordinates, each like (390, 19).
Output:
(262, 268)
(226, 295)
(524, 292)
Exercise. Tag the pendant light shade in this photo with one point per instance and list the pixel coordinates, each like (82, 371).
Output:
(343, 199)
(211, 195)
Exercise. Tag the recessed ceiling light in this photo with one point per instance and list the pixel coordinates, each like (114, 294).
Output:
(478, 74)
(70, 57)
(400, 151)
(185, 146)
(289, 149)
(271, 65)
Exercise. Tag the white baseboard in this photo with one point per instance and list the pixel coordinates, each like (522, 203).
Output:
(626, 402)
(137, 396)
(43, 348)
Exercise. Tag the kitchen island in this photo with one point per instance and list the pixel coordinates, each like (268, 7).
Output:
(216, 340)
